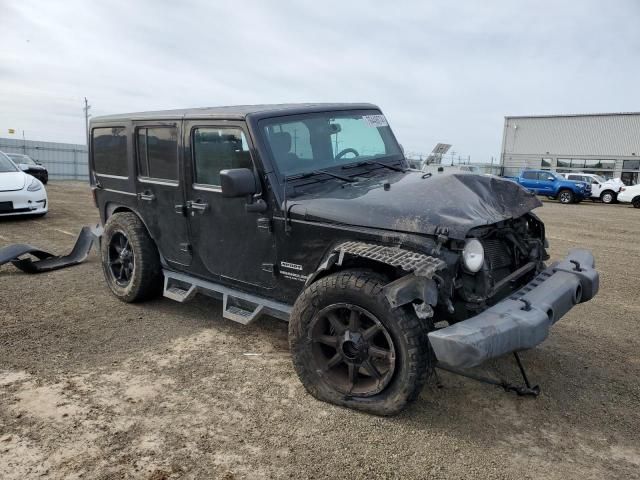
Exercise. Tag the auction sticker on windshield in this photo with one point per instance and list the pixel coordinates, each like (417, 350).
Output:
(375, 120)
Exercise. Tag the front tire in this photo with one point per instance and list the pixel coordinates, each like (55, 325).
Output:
(350, 348)
(636, 202)
(608, 197)
(130, 259)
(566, 196)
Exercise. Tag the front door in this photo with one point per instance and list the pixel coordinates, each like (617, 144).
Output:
(545, 183)
(160, 189)
(230, 243)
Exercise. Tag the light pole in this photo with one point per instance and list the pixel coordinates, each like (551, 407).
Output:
(86, 118)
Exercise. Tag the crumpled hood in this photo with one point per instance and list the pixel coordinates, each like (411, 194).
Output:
(10, 181)
(413, 204)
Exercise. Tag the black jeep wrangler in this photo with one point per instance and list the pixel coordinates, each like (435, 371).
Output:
(309, 213)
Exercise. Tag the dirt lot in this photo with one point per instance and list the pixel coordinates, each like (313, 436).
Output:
(94, 388)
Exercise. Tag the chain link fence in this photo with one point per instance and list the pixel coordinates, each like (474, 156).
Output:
(64, 161)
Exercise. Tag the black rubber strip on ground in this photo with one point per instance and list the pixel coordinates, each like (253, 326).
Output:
(48, 261)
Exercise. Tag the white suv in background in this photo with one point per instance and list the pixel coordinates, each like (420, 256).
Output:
(630, 195)
(605, 190)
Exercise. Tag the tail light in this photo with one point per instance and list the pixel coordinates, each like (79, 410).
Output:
(622, 189)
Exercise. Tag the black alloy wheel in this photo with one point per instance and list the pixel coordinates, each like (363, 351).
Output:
(121, 259)
(353, 349)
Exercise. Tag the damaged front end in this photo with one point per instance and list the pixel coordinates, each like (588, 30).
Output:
(506, 305)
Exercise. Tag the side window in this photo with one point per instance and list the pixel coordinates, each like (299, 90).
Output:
(574, 177)
(218, 148)
(545, 177)
(158, 152)
(109, 147)
(530, 175)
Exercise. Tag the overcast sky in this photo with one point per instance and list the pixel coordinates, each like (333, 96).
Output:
(441, 71)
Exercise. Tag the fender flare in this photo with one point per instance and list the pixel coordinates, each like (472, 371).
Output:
(418, 283)
(47, 261)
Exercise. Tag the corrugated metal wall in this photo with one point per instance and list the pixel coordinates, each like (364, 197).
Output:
(64, 161)
(615, 135)
(607, 144)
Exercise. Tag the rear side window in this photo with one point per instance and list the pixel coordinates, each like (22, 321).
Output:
(109, 147)
(158, 152)
(216, 149)
(530, 175)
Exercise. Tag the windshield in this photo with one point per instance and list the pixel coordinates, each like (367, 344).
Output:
(6, 165)
(304, 143)
(19, 158)
(599, 178)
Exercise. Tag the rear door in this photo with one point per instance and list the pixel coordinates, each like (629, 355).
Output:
(529, 180)
(160, 188)
(229, 243)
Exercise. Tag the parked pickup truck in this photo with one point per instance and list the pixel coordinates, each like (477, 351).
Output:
(605, 190)
(552, 185)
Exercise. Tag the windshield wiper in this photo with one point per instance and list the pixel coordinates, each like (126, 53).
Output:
(318, 172)
(375, 162)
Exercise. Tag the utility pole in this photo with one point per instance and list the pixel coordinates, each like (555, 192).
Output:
(86, 118)
(24, 144)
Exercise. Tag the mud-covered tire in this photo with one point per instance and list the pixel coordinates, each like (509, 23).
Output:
(566, 196)
(608, 197)
(146, 277)
(362, 288)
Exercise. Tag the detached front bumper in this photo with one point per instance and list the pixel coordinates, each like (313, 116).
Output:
(523, 319)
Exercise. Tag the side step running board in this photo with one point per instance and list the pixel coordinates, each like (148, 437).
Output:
(237, 306)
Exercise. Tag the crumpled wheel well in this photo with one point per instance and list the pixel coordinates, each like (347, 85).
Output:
(411, 273)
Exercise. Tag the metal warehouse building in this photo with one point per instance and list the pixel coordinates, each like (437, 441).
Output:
(607, 144)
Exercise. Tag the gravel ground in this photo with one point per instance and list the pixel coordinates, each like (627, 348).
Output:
(93, 388)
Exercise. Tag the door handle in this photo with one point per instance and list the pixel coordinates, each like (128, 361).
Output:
(199, 206)
(147, 196)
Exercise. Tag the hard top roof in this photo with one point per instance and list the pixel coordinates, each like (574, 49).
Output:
(236, 112)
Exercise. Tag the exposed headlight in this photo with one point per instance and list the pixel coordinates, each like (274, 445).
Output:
(473, 255)
(35, 185)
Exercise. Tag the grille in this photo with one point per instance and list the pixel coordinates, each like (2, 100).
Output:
(496, 254)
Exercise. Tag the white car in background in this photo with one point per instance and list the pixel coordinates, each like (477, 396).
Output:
(630, 195)
(605, 190)
(20, 193)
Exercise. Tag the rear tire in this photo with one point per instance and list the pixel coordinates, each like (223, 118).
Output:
(565, 196)
(636, 202)
(130, 259)
(608, 197)
(333, 354)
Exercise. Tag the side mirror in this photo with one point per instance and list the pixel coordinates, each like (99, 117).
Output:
(23, 166)
(238, 182)
(550, 178)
